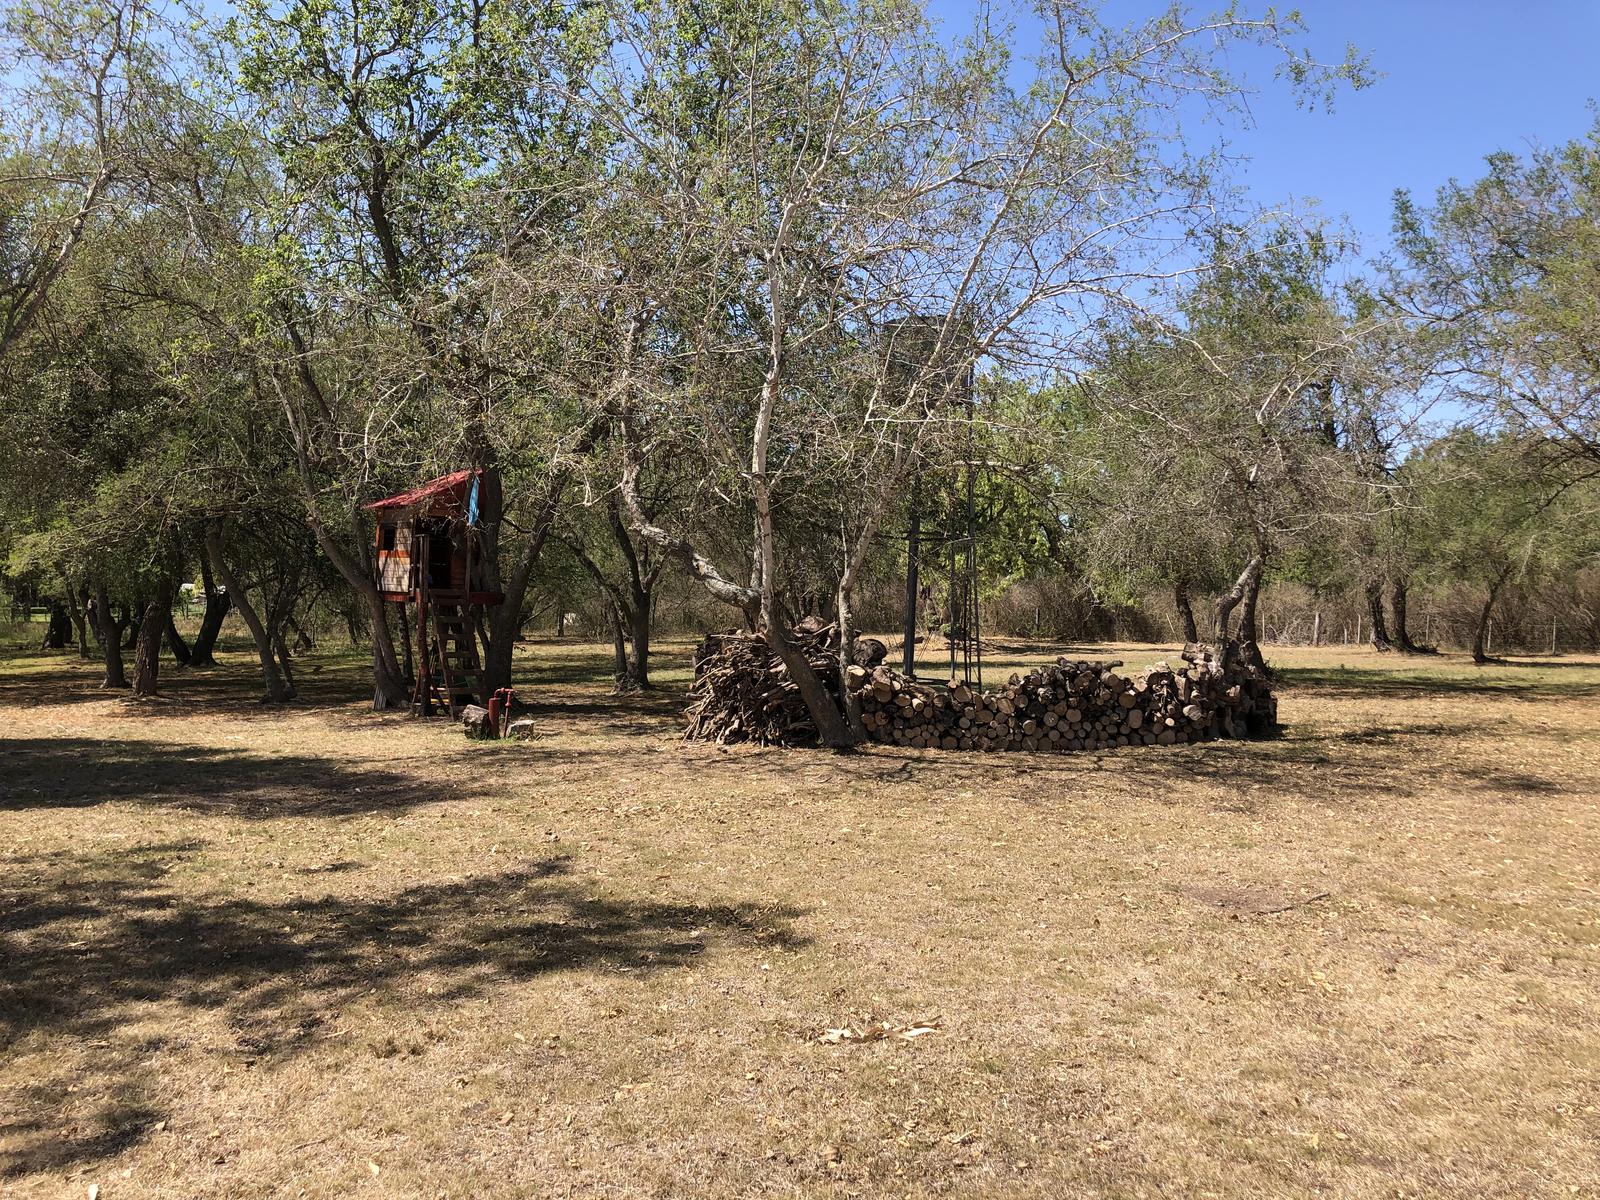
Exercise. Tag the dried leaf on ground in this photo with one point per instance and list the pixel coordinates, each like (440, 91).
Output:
(878, 1031)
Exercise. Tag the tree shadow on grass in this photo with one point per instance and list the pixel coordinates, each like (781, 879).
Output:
(92, 944)
(1376, 763)
(1363, 682)
(576, 687)
(50, 678)
(655, 712)
(1380, 763)
(69, 772)
(590, 665)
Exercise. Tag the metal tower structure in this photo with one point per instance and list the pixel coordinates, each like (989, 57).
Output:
(912, 342)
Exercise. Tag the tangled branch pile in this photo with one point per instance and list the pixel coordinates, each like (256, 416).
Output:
(742, 693)
(1074, 705)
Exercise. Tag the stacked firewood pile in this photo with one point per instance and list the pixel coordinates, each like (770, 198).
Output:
(1076, 704)
(742, 692)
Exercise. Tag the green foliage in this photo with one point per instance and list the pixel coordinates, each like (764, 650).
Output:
(1490, 512)
(1501, 280)
(1243, 428)
(269, 268)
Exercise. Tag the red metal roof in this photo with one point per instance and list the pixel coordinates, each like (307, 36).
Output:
(452, 487)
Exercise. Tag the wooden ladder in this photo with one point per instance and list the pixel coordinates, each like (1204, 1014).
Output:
(455, 676)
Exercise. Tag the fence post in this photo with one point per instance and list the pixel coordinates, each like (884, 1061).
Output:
(1316, 627)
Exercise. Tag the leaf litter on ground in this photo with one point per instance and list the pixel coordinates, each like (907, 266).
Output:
(879, 1031)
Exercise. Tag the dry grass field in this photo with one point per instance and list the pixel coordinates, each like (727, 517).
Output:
(324, 953)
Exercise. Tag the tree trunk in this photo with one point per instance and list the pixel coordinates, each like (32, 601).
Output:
(389, 688)
(152, 628)
(352, 627)
(59, 628)
(110, 640)
(504, 624)
(622, 668)
(849, 702)
(1480, 636)
(80, 621)
(1180, 598)
(908, 652)
(1249, 637)
(285, 665)
(639, 636)
(506, 619)
(181, 651)
(1402, 630)
(277, 693)
(202, 652)
(628, 604)
(640, 588)
(1231, 599)
(833, 728)
(1380, 631)
(500, 648)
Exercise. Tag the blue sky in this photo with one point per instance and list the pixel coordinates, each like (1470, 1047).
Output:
(1460, 78)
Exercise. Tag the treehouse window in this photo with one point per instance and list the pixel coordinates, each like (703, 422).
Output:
(388, 537)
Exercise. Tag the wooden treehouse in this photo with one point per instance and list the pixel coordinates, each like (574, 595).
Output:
(429, 556)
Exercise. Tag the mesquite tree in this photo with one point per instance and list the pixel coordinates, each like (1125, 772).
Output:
(92, 429)
(818, 179)
(1493, 513)
(413, 148)
(626, 567)
(77, 98)
(1251, 381)
(1499, 277)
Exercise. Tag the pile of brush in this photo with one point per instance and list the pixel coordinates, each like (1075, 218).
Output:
(743, 693)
